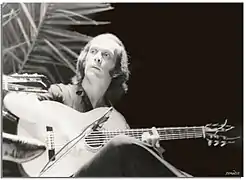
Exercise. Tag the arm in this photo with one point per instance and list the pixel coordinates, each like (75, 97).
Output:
(27, 105)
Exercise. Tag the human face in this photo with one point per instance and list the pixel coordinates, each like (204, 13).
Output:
(101, 58)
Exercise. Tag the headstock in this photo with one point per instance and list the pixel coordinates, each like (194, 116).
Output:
(26, 82)
(213, 134)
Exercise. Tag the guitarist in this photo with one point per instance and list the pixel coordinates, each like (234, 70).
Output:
(102, 73)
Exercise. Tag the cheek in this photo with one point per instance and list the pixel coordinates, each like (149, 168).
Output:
(88, 61)
(109, 66)
(88, 58)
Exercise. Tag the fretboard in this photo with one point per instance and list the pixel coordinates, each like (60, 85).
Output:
(169, 133)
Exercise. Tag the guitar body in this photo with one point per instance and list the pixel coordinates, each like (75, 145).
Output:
(65, 123)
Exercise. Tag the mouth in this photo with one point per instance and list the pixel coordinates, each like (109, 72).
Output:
(95, 67)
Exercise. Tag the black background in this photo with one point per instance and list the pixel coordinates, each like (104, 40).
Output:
(186, 64)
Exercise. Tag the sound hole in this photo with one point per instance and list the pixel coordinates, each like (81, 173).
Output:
(95, 139)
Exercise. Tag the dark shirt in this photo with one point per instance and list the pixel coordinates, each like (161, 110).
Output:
(75, 97)
(71, 95)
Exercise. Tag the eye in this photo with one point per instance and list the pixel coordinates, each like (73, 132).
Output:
(106, 55)
(93, 51)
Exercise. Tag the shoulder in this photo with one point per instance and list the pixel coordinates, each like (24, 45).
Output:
(120, 119)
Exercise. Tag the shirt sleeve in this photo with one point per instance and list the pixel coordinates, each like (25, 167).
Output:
(55, 93)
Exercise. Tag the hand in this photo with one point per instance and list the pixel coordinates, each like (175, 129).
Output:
(152, 139)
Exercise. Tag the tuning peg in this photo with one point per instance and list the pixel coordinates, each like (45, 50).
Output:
(223, 143)
(215, 124)
(209, 124)
(216, 143)
(229, 128)
(209, 142)
(231, 142)
(234, 138)
(224, 124)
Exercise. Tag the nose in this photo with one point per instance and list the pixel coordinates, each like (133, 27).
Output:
(98, 58)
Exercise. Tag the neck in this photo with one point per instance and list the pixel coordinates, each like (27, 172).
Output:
(95, 89)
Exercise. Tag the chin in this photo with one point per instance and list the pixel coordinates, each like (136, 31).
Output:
(92, 74)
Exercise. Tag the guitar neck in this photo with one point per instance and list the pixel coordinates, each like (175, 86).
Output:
(169, 133)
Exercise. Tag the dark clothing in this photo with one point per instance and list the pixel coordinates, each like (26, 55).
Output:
(123, 156)
(126, 157)
(71, 95)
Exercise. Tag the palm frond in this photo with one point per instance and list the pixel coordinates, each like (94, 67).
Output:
(56, 50)
(38, 33)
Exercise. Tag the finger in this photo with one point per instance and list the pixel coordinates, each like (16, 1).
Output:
(156, 137)
(144, 136)
(155, 132)
(158, 144)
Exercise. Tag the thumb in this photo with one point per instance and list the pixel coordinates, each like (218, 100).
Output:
(157, 144)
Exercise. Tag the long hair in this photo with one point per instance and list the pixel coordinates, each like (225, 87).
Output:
(120, 74)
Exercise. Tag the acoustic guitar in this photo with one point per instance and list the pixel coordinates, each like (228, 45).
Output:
(72, 138)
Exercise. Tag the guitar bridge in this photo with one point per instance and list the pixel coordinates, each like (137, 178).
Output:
(50, 142)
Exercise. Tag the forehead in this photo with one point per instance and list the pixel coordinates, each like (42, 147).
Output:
(105, 43)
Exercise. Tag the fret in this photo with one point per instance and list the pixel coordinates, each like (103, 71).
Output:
(179, 133)
(192, 132)
(183, 132)
(195, 132)
(169, 133)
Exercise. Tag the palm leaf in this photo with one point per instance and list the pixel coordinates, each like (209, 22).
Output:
(38, 33)
(55, 49)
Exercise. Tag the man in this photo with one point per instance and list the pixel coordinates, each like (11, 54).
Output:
(102, 73)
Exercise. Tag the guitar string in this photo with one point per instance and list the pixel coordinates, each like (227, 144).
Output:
(108, 139)
(88, 141)
(140, 134)
(98, 135)
(95, 144)
(106, 133)
(93, 135)
(139, 137)
(182, 133)
(137, 131)
(178, 130)
(134, 135)
(161, 136)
